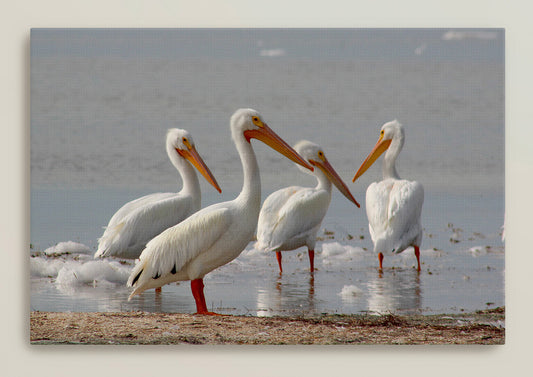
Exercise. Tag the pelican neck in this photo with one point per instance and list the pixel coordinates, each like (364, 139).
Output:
(191, 184)
(251, 189)
(389, 161)
(323, 182)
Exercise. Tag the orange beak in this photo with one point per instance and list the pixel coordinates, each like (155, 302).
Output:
(270, 138)
(194, 158)
(380, 147)
(332, 175)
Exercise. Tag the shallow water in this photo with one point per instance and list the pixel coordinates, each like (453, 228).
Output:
(101, 102)
(464, 274)
(463, 280)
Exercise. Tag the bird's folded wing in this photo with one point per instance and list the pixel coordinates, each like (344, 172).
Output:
(405, 205)
(142, 224)
(268, 217)
(300, 213)
(176, 246)
(136, 204)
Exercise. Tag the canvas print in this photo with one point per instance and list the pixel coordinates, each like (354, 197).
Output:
(267, 186)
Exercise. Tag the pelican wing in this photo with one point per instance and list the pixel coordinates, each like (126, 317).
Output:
(291, 215)
(377, 203)
(170, 251)
(405, 208)
(269, 215)
(393, 209)
(133, 205)
(146, 219)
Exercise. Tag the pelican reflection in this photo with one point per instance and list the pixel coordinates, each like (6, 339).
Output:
(398, 289)
(288, 294)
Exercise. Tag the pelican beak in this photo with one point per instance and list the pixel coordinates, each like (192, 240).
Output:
(270, 138)
(380, 147)
(332, 175)
(194, 158)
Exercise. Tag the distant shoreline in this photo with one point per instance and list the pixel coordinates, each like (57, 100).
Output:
(480, 327)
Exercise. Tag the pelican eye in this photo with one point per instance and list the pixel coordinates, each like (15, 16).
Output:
(186, 142)
(321, 155)
(257, 121)
(382, 132)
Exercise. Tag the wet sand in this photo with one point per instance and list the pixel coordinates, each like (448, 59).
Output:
(480, 327)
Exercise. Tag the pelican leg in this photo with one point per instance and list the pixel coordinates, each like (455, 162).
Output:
(158, 290)
(380, 257)
(197, 287)
(278, 257)
(417, 254)
(311, 259)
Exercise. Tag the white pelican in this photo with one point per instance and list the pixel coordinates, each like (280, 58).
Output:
(140, 220)
(393, 205)
(216, 234)
(290, 217)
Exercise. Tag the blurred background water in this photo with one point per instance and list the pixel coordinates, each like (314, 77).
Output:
(102, 100)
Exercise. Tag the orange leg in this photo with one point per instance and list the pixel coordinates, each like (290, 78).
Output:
(380, 257)
(197, 287)
(417, 254)
(158, 290)
(278, 257)
(311, 259)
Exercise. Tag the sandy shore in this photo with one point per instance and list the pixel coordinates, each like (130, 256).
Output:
(481, 327)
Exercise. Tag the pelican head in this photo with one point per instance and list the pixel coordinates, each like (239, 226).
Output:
(315, 155)
(180, 147)
(391, 133)
(249, 124)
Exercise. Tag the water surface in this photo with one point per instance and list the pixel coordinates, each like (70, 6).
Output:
(102, 100)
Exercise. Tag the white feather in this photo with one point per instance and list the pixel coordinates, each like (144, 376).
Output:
(176, 247)
(216, 234)
(138, 221)
(393, 205)
(291, 217)
(393, 209)
(128, 236)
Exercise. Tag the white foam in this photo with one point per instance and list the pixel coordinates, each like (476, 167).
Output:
(461, 35)
(350, 292)
(335, 250)
(45, 267)
(477, 251)
(273, 52)
(68, 247)
(74, 273)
